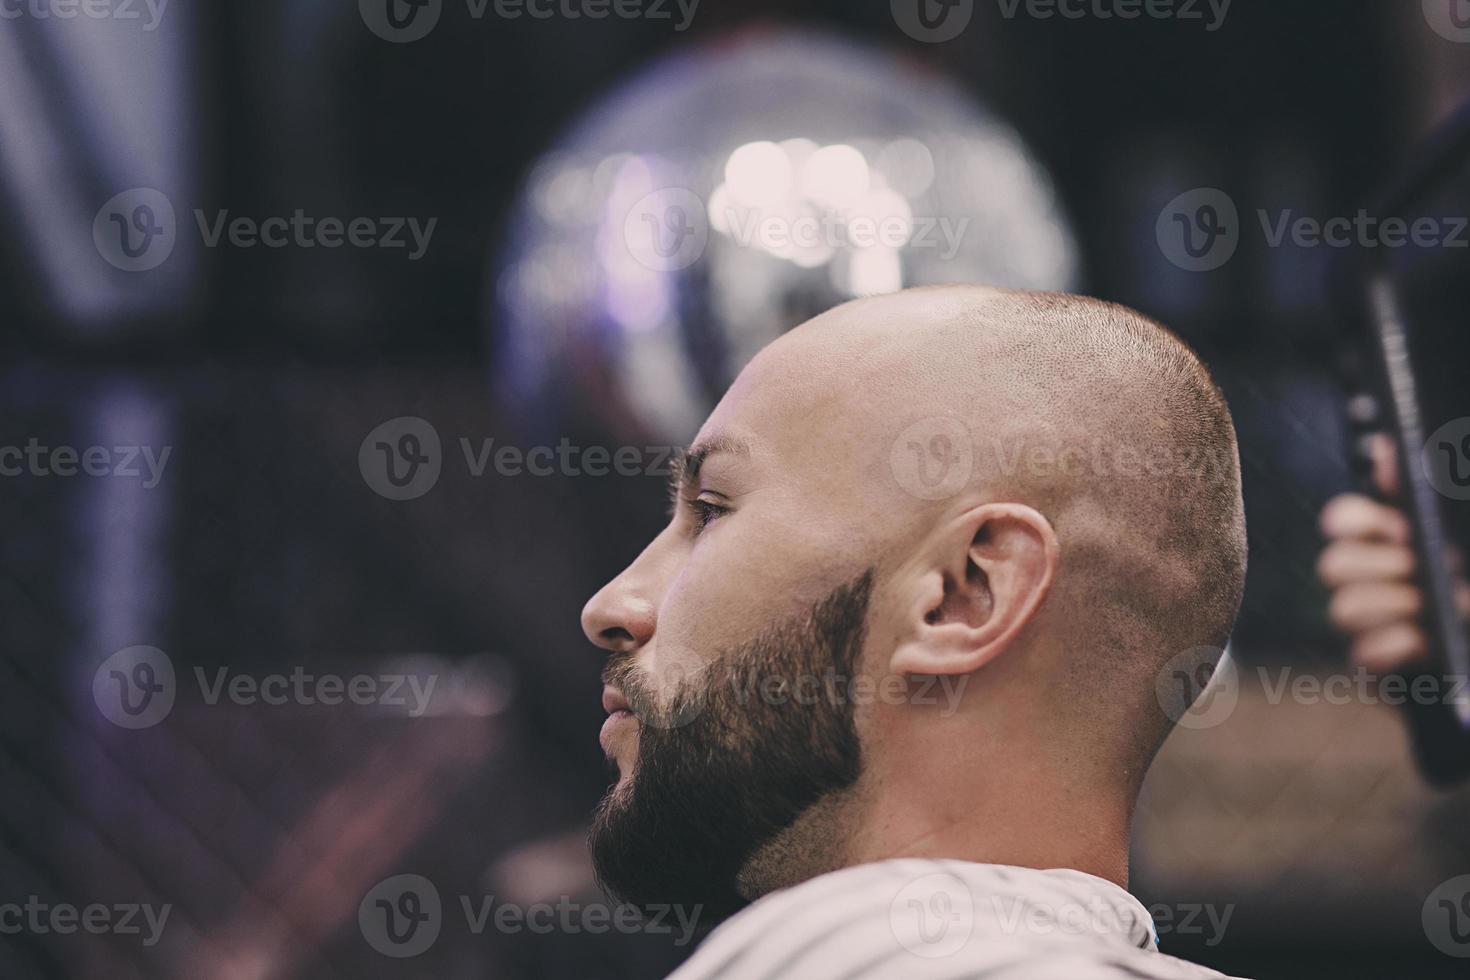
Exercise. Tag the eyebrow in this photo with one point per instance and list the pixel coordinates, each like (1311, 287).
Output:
(687, 462)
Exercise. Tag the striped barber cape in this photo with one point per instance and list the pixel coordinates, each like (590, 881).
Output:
(920, 919)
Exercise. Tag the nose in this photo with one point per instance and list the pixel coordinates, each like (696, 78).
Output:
(622, 615)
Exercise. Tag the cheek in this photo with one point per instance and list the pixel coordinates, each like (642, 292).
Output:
(711, 606)
(738, 580)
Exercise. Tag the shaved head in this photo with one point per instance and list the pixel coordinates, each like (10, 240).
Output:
(1041, 496)
(1100, 418)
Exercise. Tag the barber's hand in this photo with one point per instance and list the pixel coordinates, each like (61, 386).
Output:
(1369, 566)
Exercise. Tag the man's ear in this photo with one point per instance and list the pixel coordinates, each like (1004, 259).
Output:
(980, 582)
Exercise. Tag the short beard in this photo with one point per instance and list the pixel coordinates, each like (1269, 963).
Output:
(722, 769)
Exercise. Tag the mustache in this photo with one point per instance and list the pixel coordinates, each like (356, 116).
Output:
(622, 672)
(682, 702)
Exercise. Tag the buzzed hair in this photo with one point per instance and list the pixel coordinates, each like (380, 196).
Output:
(1146, 500)
(1110, 426)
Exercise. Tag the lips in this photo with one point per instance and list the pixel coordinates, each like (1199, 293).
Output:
(613, 700)
(618, 713)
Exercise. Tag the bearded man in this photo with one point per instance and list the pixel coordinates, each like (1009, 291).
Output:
(883, 692)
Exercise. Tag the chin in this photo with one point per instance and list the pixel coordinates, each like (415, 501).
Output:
(622, 789)
(625, 756)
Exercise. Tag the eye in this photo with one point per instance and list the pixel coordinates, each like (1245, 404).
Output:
(706, 511)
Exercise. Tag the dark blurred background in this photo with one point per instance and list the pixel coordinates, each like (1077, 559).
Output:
(262, 547)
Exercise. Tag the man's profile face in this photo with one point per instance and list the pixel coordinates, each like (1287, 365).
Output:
(762, 578)
(801, 546)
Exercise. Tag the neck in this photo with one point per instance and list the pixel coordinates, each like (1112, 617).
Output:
(1029, 819)
(1032, 817)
